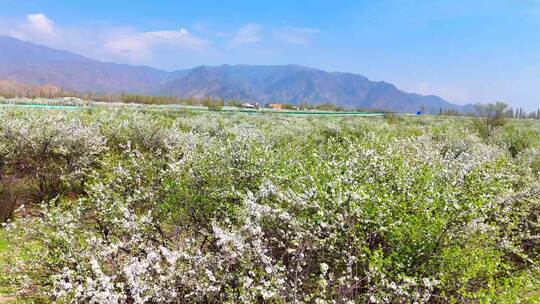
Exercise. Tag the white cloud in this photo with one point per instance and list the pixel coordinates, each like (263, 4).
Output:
(36, 27)
(109, 43)
(140, 45)
(163, 48)
(181, 38)
(295, 35)
(40, 23)
(248, 34)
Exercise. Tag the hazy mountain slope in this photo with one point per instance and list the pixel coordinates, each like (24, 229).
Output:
(28, 63)
(293, 84)
(244, 80)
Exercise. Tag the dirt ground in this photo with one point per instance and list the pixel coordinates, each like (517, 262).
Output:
(5, 300)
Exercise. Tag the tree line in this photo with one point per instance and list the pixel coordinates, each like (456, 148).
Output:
(215, 103)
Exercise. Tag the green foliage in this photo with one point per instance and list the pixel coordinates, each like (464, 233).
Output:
(153, 100)
(234, 103)
(329, 107)
(450, 112)
(212, 208)
(516, 139)
(213, 103)
(392, 118)
(287, 106)
(490, 117)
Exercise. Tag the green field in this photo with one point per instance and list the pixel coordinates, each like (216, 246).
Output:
(85, 105)
(155, 205)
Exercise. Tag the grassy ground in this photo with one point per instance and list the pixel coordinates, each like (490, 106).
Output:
(8, 252)
(5, 289)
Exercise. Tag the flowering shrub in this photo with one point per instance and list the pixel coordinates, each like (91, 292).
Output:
(248, 209)
(42, 156)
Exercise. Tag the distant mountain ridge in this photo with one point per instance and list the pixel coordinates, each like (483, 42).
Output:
(25, 62)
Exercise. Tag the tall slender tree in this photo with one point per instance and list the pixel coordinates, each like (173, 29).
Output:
(490, 117)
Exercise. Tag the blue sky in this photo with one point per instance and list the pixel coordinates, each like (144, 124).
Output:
(464, 51)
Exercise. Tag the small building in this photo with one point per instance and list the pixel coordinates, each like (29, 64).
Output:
(248, 105)
(275, 106)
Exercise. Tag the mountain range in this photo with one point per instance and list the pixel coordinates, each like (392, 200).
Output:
(31, 64)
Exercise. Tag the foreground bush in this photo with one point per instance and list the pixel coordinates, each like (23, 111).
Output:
(243, 209)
